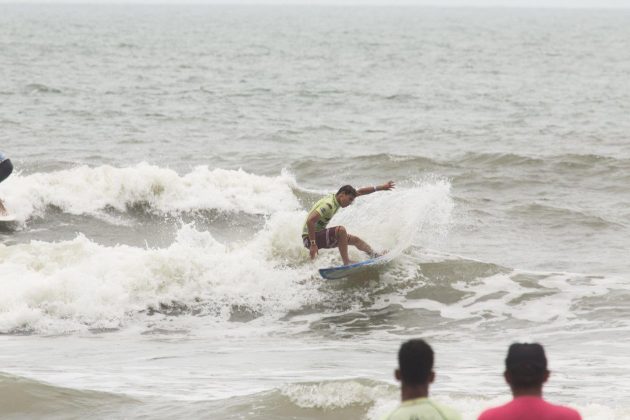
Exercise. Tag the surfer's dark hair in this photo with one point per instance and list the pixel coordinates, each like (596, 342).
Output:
(415, 361)
(527, 364)
(349, 190)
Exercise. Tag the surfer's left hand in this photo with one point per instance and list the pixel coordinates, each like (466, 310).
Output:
(390, 185)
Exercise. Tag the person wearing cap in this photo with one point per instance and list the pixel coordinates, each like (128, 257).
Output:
(6, 167)
(526, 372)
(415, 373)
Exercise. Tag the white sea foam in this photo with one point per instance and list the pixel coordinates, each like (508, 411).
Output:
(382, 398)
(539, 298)
(88, 190)
(78, 284)
(409, 215)
(336, 394)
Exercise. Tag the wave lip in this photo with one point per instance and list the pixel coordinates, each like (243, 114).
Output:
(335, 394)
(340, 399)
(34, 88)
(87, 190)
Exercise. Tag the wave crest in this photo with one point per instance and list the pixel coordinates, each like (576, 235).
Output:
(87, 190)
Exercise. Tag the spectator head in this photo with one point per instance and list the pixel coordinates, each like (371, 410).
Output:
(526, 366)
(415, 363)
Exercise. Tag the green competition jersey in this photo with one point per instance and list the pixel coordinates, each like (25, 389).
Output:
(326, 207)
(422, 409)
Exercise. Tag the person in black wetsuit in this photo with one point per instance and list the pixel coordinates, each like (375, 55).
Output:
(6, 167)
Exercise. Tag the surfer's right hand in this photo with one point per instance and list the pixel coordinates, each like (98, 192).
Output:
(313, 250)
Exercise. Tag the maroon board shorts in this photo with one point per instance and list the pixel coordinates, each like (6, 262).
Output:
(326, 238)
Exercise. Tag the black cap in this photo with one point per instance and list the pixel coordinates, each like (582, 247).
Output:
(525, 355)
(526, 364)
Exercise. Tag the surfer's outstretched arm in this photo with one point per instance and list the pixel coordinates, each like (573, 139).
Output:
(390, 185)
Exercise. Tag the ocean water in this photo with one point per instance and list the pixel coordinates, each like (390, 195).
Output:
(166, 156)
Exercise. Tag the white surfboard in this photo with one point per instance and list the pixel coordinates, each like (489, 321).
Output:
(333, 273)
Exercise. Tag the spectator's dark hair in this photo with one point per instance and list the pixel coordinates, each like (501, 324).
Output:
(349, 190)
(527, 364)
(415, 360)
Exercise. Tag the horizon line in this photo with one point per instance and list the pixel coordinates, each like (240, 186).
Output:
(323, 4)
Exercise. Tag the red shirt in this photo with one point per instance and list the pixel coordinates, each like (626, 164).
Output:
(530, 408)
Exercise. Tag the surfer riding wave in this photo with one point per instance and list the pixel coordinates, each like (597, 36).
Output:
(315, 233)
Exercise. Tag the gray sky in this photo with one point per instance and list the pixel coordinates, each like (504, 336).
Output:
(442, 3)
